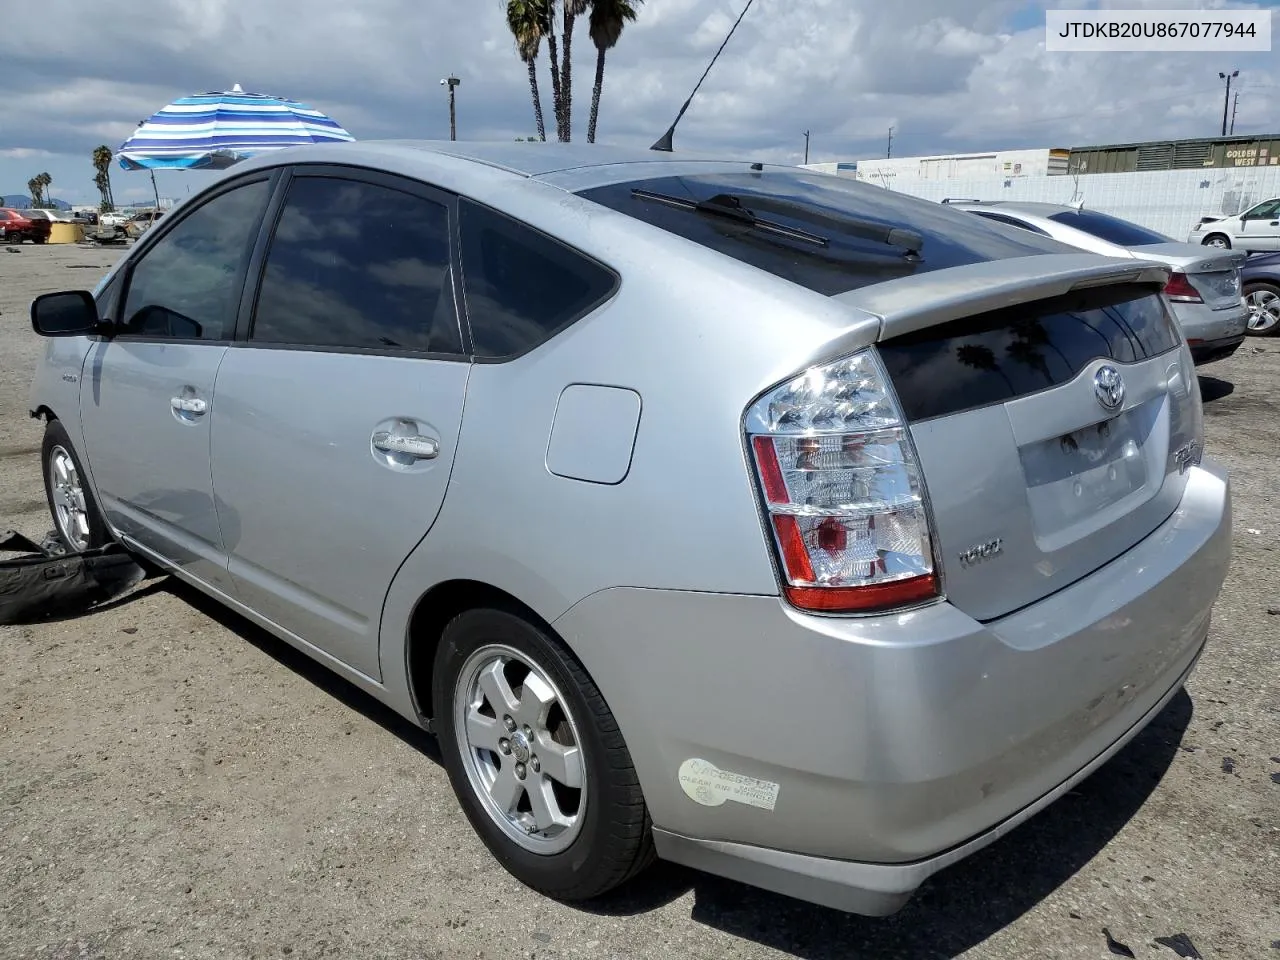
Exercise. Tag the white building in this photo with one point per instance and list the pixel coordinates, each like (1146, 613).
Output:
(1042, 162)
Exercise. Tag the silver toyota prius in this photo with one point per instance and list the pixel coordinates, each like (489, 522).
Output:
(775, 524)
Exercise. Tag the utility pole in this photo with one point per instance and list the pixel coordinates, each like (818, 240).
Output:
(1235, 104)
(452, 82)
(889, 149)
(1226, 101)
(806, 146)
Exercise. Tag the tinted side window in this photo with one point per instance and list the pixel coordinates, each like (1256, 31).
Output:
(1023, 349)
(522, 287)
(355, 264)
(188, 285)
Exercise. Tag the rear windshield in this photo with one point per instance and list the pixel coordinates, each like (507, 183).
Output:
(837, 257)
(1111, 229)
(1009, 353)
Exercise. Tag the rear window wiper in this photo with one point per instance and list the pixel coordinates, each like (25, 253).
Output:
(723, 205)
(732, 207)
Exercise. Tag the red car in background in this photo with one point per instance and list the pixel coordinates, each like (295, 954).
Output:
(15, 227)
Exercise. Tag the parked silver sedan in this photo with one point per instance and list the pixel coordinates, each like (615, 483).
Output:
(1204, 286)
(768, 522)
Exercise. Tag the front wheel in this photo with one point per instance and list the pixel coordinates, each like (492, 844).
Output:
(76, 516)
(1219, 240)
(537, 759)
(1263, 300)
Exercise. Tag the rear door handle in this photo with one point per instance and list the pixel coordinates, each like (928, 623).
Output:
(417, 446)
(193, 405)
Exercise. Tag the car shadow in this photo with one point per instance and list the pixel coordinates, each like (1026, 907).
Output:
(1213, 388)
(952, 912)
(310, 670)
(957, 908)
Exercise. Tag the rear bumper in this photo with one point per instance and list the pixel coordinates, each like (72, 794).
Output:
(898, 744)
(1207, 351)
(1212, 334)
(875, 889)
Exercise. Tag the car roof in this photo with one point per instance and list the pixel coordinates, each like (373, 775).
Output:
(526, 159)
(570, 166)
(1030, 207)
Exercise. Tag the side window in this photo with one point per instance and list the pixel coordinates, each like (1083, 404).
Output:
(108, 298)
(1264, 211)
(522, 287)
(187, 286)
(356, 264)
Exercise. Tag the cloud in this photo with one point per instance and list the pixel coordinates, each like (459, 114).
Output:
(947, 75)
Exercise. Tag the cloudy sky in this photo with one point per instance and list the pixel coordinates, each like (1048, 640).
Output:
(948, 75)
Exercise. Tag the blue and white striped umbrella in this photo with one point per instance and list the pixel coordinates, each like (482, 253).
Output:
(215, 130)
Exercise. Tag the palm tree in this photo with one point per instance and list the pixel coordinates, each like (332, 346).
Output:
(46, 182)
(33, 187)
(526, 19)
(572, 10)
(608, 17)
(553, 53)
(102, 178)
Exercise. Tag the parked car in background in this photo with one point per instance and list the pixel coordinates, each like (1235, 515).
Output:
(142, 221)
(41, 225)
(773, 523)
(1254, 231)
(14, 227)
(114, 218)
(1260, 277)
(1204, 287)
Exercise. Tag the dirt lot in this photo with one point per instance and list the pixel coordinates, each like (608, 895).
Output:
(176, 783)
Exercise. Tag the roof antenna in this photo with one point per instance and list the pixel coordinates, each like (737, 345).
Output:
(664, 142)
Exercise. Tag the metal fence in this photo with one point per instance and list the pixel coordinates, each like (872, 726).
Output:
(1170, 201)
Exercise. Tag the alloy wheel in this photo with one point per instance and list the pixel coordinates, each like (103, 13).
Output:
(67, 494)
(1264, 311)
(521, 749)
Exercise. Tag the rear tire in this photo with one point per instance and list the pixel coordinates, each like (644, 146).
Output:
(1264, 308)
(39, 239)
(505, 691)
(1220, 240)
(75, 512)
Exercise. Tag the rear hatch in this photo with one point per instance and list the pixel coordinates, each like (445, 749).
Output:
(1214, 273)
(993, 340)
(1040, 467)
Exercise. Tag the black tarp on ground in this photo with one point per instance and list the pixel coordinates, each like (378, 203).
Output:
(47, 581)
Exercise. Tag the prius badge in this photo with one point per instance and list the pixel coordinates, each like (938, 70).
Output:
(1108, 387)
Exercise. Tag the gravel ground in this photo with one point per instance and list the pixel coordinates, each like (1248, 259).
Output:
(176, 783)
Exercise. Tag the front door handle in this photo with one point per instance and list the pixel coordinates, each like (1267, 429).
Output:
(192, 405)
(418, 447)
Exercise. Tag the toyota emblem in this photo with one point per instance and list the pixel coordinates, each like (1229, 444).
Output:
(1108, 387)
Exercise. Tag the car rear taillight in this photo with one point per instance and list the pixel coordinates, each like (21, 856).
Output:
(842, 490)
(1179, 289)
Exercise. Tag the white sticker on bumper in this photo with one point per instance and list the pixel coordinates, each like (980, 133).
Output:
(705, 783)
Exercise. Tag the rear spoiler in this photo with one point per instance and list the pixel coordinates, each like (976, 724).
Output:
(924, 300)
